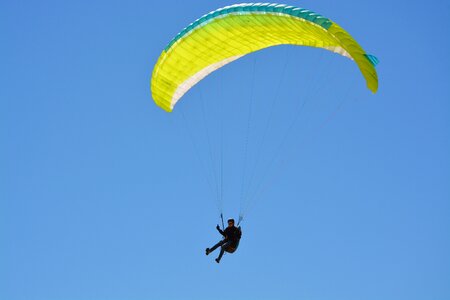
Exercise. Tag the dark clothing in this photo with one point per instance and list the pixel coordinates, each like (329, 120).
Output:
(219, 244)
(232, 235)
(228, 246)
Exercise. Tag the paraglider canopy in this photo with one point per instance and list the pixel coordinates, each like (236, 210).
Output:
(231, 32)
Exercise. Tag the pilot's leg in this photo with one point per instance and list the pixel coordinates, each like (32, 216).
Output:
(222, 251)
(208, 250)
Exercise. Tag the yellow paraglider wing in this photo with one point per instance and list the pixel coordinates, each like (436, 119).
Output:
(229, 33)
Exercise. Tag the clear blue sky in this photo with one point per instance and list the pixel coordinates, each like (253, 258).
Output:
(102, 194)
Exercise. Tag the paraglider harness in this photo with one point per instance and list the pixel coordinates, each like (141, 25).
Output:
(233, 247)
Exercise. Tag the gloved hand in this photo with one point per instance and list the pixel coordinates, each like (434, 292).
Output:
(218, 227)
